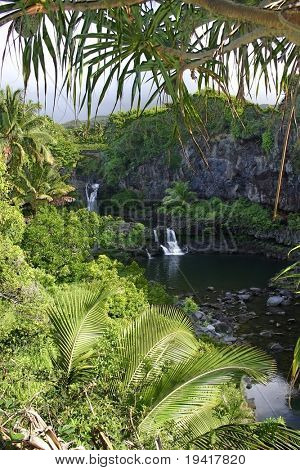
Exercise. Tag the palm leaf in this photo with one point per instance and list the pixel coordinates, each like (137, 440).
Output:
(191, 383)
(78, 318)
(295, 371)
(268, 435)
(160, 334)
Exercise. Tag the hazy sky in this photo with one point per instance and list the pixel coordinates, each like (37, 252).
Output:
(64, 110)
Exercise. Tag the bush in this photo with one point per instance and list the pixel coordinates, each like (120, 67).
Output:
(125, 299)
(12, 224)
(267, 141)
(251, 123)
(189, 306)
(4, 185)
(59, 241)
(18, 280)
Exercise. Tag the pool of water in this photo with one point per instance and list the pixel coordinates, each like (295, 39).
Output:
(192, 274)
(195, 272)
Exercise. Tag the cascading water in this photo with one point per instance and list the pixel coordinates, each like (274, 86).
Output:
(172, 247)
(91, 196)
(155, 236)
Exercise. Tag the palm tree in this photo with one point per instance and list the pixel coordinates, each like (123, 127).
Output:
(179, 195)
(39, 184)
(23, 138)
(166, 375)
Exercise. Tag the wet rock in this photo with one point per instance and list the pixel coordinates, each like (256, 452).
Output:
(211, 288)
(285, 293)
(279, 312)
(244, 317)
(221, 327)
(286, 302)
(291, 320)
(244, 297)
(248, 383)
(276, 347)
(255, 290)
(229, 295)
(199, 315)
(274, 300)
(229, 339)
(210, 328)
(266, 333)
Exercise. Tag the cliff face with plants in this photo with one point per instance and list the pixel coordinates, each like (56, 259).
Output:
(242, 144)
(237, 168)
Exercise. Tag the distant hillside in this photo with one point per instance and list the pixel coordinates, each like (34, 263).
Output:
(78, 123)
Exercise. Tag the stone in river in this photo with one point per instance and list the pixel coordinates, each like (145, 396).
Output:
(244, 297)
(276, 347)
(266, 333)
(221, 326)
(274, 300)
(199, 315)
(255, 290)
(210, 288)
(210, 328)
(230, 339)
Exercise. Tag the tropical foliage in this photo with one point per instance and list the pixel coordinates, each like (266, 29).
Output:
(39, 184)
(290, 276)
(22, 137)
(164, 374)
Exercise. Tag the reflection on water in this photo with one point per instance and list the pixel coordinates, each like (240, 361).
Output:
(272, 400)
(193, 273)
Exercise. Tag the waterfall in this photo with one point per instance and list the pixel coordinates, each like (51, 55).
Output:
(155, 236)
(148, 254)
(92, 197)
(172, 247)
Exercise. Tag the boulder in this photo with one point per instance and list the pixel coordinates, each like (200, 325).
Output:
(199, 315)
(244, 297)
(274, 300)
(210, 328)
(229, 339)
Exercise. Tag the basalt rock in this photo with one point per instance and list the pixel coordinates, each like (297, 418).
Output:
(237, 169)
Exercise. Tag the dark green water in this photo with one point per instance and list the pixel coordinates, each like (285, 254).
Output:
(191, 274)
(195, 272)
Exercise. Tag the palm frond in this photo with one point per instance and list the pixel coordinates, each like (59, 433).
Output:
(191, 383)
(159, 335)
(78, 318)
(268, 435)
(295, 371)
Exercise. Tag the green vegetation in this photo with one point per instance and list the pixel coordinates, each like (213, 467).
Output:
(94, 373)
(85, 339)
(290, 276)
(238, 213)
(128, 140)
